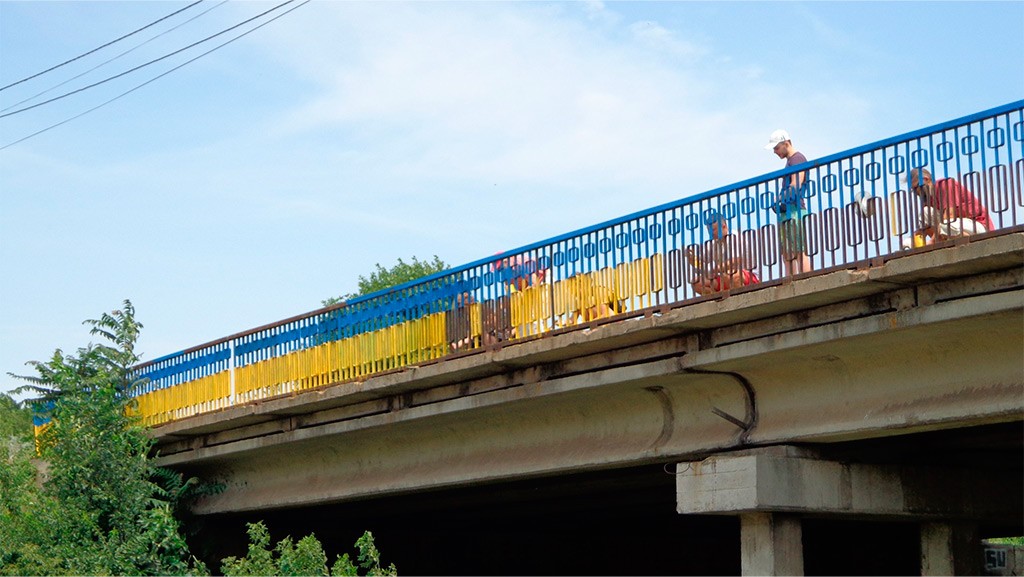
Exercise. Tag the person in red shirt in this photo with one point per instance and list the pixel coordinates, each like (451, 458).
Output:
(724, 264)
(948, 208)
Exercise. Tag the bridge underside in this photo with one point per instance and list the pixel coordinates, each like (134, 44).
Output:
(913, 362)
(623, 521)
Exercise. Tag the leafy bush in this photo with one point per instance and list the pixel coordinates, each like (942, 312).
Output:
(92, 503)
(305, 558)
(1018, 541)
(15, 421)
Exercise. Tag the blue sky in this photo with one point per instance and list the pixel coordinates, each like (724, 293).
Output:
(260, 179)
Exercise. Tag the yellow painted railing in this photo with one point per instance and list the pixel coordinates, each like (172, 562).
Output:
(532, 311)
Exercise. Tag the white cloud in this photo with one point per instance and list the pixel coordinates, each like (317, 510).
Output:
(657, 37)
(470, 104)
(501, 81)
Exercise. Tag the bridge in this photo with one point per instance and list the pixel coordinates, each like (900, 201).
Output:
(750, 427)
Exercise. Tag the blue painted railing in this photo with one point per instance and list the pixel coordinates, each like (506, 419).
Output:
(857, 207)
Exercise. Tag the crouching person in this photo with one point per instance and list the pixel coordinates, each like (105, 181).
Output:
(948, 209)
(724, 264)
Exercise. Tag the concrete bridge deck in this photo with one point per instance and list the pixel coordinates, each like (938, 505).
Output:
(929, 341)
(922, 342)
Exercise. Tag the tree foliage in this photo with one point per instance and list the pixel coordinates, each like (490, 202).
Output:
(307, 557)
(1018, 541)
(85, 499)
(15, 421)
(93, 502)
(384, 278)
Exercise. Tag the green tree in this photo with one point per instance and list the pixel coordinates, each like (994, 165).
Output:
(1019, 541)
(18, 494)
(99, 508)
(383, 278)
(305, 558)
(15, 420)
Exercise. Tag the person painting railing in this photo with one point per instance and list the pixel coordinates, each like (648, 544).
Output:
(525, 298)
(856, 206)
(723, 262)
(948, 210)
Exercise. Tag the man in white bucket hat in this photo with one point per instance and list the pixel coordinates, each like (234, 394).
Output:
(791, 209)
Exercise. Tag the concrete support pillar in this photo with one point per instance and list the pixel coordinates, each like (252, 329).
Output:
(771, 544)
(765, 485)
(950, 549)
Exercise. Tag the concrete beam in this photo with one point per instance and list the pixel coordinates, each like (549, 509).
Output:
(622, 416)
(788, 479)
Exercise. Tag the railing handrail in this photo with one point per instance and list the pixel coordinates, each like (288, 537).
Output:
(693, 199)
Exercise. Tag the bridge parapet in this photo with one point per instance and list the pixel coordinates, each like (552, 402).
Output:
(857, 208)
(918, 344)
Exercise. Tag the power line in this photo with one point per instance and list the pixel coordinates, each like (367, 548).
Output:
(109, 60)
(119, 96)
(100, 48)
(164, 57)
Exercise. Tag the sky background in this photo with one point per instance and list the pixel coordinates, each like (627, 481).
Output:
(258, 180)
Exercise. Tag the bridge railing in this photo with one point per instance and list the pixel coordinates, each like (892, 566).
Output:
(853, 206)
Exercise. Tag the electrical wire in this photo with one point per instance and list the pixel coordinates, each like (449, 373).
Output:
(156, 77)
(108, 61)
(139, 67)
(52, 68)
(165, 56)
